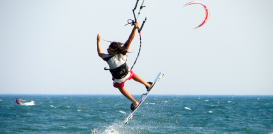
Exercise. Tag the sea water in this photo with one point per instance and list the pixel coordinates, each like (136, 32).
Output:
(158, 114)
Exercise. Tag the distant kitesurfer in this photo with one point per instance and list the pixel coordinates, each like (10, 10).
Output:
(116, 59)
(18, 101)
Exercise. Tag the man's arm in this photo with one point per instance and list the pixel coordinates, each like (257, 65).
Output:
(98, 46)
(131, 37)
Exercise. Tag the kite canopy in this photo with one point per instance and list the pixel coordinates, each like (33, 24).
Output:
(206, 10)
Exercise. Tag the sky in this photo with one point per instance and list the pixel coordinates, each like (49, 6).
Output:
(49, 47)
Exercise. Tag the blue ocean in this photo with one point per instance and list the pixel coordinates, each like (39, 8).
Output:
(105, 114)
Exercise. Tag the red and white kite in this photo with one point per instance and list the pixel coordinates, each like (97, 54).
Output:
(206, 10)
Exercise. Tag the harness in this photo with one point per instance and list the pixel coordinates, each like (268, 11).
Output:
(120, 72)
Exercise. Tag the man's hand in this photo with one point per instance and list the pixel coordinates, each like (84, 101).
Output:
(136, 25)
(98, 38)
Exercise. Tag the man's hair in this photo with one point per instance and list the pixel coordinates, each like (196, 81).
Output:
(117, 48)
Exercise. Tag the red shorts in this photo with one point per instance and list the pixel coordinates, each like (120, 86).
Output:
(120, 85)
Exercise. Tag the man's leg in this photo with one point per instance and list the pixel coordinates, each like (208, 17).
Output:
(138, 79)
(128, 95)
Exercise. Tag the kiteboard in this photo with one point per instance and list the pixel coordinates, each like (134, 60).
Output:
(143, 97)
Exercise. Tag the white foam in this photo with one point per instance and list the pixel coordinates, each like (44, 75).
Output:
(112, 129)
(29, 103)
(122, 112)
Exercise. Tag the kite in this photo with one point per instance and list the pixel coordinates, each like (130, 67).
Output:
(206, 10)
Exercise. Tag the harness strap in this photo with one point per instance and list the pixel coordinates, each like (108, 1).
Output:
(120, 72)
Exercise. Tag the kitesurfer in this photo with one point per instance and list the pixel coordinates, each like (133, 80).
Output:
(18, 101)
(116, 59)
